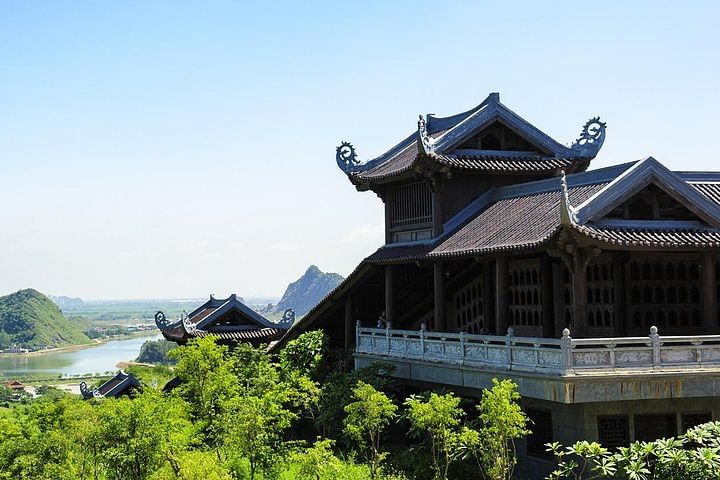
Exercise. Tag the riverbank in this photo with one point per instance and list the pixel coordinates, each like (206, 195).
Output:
(72, 348)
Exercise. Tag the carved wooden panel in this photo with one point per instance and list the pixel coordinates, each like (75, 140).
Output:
(600, 296)
(469, 307)
(665, 291)
(410, 206)
(525, 293)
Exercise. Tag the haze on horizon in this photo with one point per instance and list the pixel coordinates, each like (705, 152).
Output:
(172, 150)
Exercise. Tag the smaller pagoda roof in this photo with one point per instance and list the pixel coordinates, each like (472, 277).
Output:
(209, 319)
(439, 140)
(121, 384)
(14, 385)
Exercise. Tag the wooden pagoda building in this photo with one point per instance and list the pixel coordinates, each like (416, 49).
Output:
(596, 291)
(121, 385)
(229, 320)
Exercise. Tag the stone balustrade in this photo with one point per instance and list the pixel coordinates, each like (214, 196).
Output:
(565, 356)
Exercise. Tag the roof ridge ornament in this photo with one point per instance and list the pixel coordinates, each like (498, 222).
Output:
(188, 325)
(567, 211)
(591, 138)
(161, 320)
(288, 318)
(346, 158)
(423, 137)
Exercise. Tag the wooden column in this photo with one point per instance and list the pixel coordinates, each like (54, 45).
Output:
(709, 295)
(619, 311)
(548, 304)
(389, 295)
(388, 220)
(437, 213)
(349, 324)
(488, 296)
(501, 296)
(579, 290)
(439, 296)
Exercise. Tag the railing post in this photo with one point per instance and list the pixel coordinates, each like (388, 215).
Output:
(462, 346)
(508, 346)
(388, 326)
(357, 335)
(422, 340)
(566, 349)
(655, 340)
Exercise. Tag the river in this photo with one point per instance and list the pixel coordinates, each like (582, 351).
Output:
(100, 359)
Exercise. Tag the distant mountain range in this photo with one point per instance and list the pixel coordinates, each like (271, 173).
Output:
(66, 302)
(304, 293)
(29, 319)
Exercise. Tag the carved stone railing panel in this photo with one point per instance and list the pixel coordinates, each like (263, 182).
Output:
(565, 356)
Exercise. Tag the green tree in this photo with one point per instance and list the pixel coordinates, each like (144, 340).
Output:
(305, 354)
(440, 417)
(503, 422)
(156, 351)
(317, 462)
(208, 384)
(255, 429)
(143, 434)
(367, 416)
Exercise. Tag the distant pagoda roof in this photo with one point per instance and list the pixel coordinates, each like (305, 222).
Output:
(121, 384)
(443, 143)
(229, 320)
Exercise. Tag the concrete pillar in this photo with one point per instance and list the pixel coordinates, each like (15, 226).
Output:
(501, 296)
(439, 296)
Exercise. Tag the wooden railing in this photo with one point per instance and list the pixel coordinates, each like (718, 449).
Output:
(564, 356)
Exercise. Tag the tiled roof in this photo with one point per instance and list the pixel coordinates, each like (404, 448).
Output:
(397, 164)
(442, 135)
(646, 237)
(241, 335)
(508, 224)
(514, 163)
(710, 190)
(202, 314)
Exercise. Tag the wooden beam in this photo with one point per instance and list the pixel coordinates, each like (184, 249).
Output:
(501, 296)
(440, 297)
(547, 299)
(349, 324)
(710, 308)
(389, 294)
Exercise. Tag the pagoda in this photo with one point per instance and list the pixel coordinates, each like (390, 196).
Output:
(595, 291)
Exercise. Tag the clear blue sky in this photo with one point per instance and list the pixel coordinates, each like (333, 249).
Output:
(175, 149)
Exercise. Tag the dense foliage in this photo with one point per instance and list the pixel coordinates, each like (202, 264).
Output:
(695, 454)
(243, 414)
(156, 351)
(30, 319)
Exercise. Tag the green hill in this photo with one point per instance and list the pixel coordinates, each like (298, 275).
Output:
(30, 319)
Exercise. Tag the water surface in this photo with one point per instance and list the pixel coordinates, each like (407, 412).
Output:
(100, 359)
